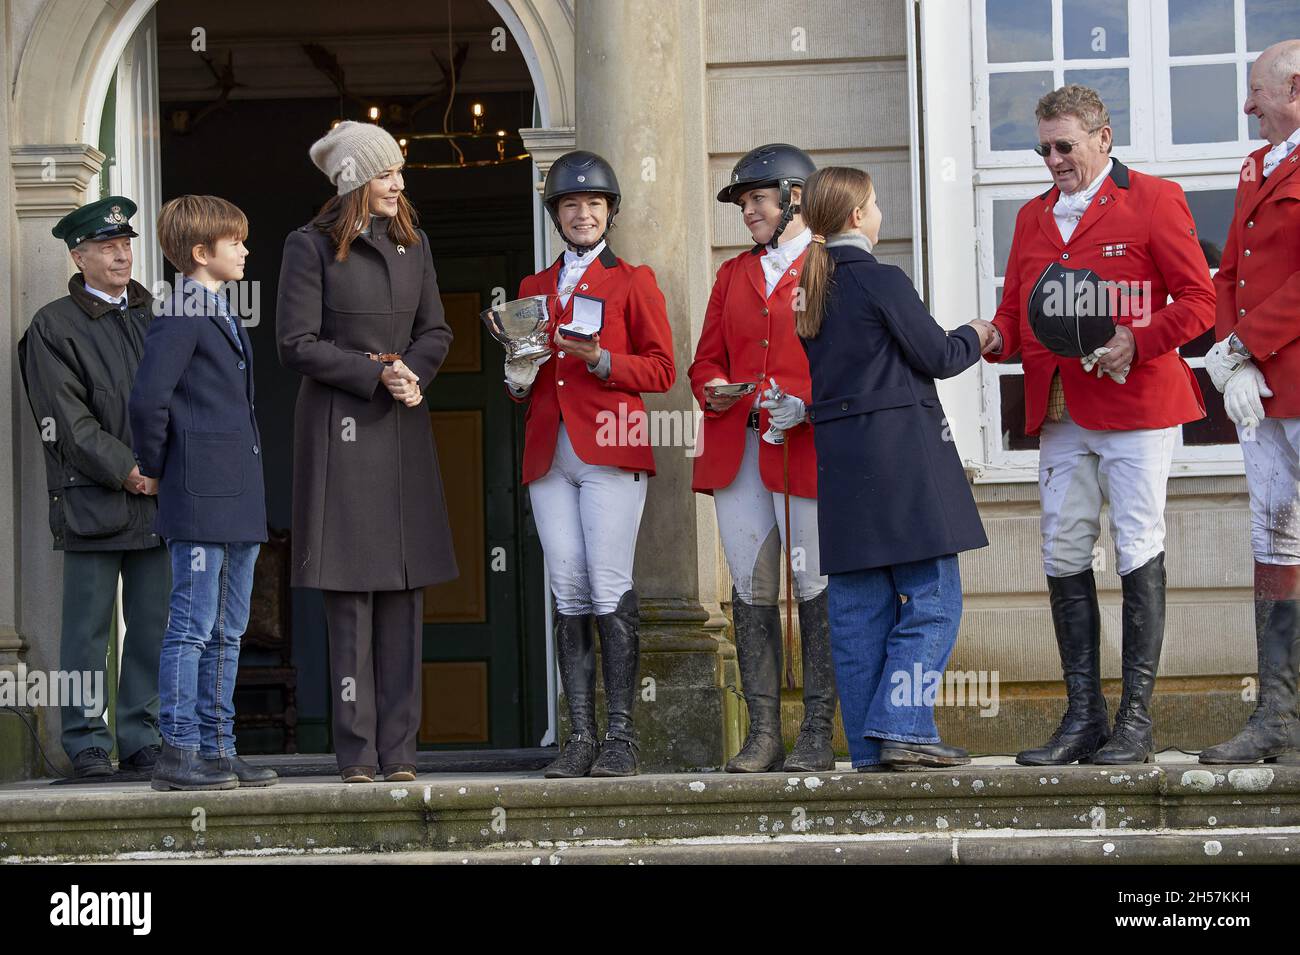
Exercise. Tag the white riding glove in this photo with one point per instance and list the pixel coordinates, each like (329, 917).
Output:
(1241, 396)
(786, 411)
(1222, 363)
(522, 372)
(1090, 361)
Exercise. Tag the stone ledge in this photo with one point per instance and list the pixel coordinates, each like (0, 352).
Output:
(1114, 847)
(512, 811)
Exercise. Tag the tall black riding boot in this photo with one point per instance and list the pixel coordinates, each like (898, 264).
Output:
(812, 750)
(620, 659)
(1144, 631)
(575, 650)
(758, 654)
(1271, 730)
(1076, 618)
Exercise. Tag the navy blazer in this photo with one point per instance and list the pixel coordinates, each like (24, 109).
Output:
(890, 485)
(193, 427)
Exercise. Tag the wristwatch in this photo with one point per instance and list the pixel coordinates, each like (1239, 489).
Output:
(1237, 347)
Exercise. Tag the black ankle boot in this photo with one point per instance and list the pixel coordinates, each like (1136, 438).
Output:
(758, 655)
(812, 750)
(1076, 618)
(1144, 631)
(188, 771)
(1270, 732)
(575, 649)
(620, 660)
(249, 776)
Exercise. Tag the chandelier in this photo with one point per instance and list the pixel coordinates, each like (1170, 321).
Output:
(478, 132)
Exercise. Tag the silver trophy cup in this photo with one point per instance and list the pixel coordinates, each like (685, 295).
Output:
(521, 326)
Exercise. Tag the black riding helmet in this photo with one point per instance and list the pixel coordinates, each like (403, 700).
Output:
(580, 171)
(774, 165)
(1070, 310)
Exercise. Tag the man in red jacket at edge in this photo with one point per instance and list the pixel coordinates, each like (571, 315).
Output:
(1107, 423)
(1256, 364)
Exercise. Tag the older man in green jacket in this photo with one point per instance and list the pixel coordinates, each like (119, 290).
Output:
(78, 360)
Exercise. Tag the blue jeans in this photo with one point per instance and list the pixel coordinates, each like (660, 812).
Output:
(211, 586)
(883, 647)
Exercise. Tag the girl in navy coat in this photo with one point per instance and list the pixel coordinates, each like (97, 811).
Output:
(894, 506)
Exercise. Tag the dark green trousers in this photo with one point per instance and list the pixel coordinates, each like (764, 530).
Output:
(89, 591)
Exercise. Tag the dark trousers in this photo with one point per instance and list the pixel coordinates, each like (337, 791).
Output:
(89, 592)
(375, 671)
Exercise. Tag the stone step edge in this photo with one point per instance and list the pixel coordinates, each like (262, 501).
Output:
(691, 792)
(1260, 845)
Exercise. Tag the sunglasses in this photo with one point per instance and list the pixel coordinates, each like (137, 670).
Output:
(1063, 146)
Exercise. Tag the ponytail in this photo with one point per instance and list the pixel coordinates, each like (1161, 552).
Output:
(818, 268)
(829, 197)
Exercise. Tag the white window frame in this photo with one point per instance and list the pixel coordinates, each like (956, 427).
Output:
(1166, 149)
(1018, 174)
(1139, 77)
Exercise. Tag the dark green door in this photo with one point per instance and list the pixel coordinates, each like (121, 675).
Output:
(484, 679)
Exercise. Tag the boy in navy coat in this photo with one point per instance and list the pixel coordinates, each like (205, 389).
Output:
(193, 429)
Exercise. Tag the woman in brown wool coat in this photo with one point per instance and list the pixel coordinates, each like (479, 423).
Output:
(360, 319)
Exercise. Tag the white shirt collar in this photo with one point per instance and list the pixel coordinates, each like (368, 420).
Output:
(1273, 158)
(776, 261)
(1080, 200)
(104, 295)
(574, 267)
(787, 252)
(583, 259)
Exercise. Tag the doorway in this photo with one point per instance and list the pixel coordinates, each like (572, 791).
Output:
(238, 102)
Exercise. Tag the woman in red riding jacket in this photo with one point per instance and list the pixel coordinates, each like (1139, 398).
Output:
(749, 337)
(587, 453)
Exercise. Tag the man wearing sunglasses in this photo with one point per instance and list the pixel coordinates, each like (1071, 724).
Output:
(1107, 423)
(1255, 364)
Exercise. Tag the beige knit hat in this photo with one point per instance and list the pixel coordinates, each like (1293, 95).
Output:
(351, 154)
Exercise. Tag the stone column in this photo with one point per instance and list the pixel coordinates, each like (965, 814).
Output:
(638, 65)
(49, 182)
(546, 146)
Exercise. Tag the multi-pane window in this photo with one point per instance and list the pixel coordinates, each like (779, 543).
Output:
(1173, 76)
(1205, 49)
(1031, 47)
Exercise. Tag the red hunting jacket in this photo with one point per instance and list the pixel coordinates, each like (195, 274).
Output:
(1258, 281)
(640, 342)
(750, 337)
(1137, 229)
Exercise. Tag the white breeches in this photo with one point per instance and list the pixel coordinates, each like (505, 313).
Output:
(1272, 457)
(751, 520)
(587, 516)
(1077, 469)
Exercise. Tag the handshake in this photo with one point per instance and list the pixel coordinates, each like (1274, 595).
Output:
(990, 337)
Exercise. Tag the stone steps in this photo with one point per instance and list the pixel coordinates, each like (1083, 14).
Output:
(1156, 812)
(1054, 847)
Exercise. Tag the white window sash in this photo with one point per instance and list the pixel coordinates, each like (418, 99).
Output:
(1019, 175)
(1166, 149)
(1139, 78)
